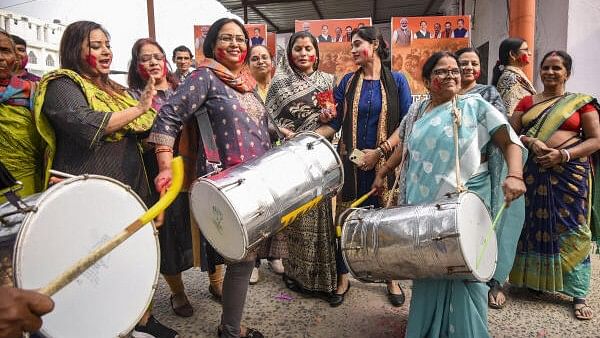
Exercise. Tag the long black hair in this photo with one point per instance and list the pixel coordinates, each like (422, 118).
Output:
(213, 33)
(506, 46)
(372, 34)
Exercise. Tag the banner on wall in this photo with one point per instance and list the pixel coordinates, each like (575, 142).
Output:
(334, 42)
(415, 39)
(199, 36)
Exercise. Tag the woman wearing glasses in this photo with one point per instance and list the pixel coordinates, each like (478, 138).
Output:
(445, 307)
(239, 122)
(148, 60)
(512, 83)
(96, 124)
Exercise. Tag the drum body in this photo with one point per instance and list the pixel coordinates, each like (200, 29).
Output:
(239, 207)
(68, 221)
(437, 240)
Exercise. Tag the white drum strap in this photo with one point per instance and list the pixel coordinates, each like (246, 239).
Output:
(456, 120)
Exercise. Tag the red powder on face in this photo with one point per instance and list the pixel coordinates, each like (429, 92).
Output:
(476, 74)
(243, 56)
(143, 72)
(312, 58)
(24, 62)
(436, 84)
(524, 58)
(366, 53)
(221, 53)
(91, 60)
(164, 68)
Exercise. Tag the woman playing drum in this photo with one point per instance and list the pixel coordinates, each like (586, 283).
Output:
(439, 306)
(239, 122)
(95, 123)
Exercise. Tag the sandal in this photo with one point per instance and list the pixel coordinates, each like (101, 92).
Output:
(250, 333)
(183, 310)
(578, 311)
(493, 293)
(292, 284)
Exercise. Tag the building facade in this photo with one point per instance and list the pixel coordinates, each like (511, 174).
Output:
(43, 39)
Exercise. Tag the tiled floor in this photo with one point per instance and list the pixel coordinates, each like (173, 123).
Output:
(366, 313)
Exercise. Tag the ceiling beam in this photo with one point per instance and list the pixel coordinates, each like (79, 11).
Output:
(264, 17)
(428, 8)
(263, 2)
(317, 9)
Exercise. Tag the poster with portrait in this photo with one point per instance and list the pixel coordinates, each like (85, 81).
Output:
(199, 36)
(257, 32)
(334, 42)
(415, 39)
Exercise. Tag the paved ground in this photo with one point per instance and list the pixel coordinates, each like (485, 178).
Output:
(366, 313)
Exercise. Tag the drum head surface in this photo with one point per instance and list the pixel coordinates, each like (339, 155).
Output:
(217, 220)
(474, 222)
(74, 217)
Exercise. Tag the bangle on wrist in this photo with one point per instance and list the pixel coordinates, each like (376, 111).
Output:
(381, 152)
(520, 178)
(566, 156)
(163, 149)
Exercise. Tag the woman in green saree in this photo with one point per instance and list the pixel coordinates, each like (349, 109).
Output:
(562, 131)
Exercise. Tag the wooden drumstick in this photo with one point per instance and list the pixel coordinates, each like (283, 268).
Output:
(86, 262)
(359, 201)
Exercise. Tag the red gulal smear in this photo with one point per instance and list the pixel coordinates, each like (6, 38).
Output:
(476, 74)
(312, 58)
(221, 53)
(143, 72)
(435, 84)
(366, 53)
(243, 56)
(91, 60)
(164, 68)
(524, 58)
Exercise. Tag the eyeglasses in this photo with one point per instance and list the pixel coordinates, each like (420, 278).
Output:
(148, 57)
(228, 39)
(445, 72)
(526, 50)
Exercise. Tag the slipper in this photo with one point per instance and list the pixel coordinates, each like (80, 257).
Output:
(578, 311)
(493, 293)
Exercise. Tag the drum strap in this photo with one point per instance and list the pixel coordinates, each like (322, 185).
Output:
(456, 121)
(208, 137)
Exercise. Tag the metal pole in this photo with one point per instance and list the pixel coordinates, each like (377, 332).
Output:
(151, 29)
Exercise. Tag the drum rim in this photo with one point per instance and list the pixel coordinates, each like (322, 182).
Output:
(338, 158)
(469, 264)
(210, 182)
(342, 246)
(44, 195)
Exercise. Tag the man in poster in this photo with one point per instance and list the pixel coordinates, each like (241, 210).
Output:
(461, 31)
(257, 39)
(403, 34)
(325, 37)
(422, 33)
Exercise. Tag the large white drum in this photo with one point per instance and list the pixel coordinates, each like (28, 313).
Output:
(443, 239)
(68, 221)
(239, 207)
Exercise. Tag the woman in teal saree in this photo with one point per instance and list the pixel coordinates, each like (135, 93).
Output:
(444, 307)
(562, 130)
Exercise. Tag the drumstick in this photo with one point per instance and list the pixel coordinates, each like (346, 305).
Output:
(489, 234)
(83, 264)
(359, 201)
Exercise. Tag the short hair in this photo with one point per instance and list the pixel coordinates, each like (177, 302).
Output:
(433, 60)
(448, 23)
(460, 20)
(290, 46)
(422, 21)
(257, 29)
(213, 33)
(182, 48)
(18, 40)
(134, 80)
(467, 50)
(324, 26)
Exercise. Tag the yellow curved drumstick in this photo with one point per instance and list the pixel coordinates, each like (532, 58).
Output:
(338, 228)
(86, 262)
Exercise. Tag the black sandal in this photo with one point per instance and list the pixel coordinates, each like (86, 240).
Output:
(577, 312)
(495, 290)
(292, 284)
(250, 333)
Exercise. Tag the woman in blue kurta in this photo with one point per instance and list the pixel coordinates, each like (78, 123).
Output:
(509, 228)
(370, 104)
(450, 307)
(239, 122)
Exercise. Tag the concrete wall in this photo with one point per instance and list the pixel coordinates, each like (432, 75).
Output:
(551, 29)
(584, 46)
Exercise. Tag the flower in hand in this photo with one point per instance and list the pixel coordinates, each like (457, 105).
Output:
(326, 102)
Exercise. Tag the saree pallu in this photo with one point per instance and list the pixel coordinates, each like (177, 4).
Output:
(553, 253)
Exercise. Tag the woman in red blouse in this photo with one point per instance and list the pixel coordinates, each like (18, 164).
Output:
(562, 131)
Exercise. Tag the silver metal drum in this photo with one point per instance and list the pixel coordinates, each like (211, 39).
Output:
(438, 240)
(239, 207)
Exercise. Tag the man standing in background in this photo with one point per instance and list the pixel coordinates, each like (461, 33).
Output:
(22, 59)
(182, 56)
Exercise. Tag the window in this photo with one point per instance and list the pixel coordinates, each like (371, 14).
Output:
(49, 61)
(32, 58)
